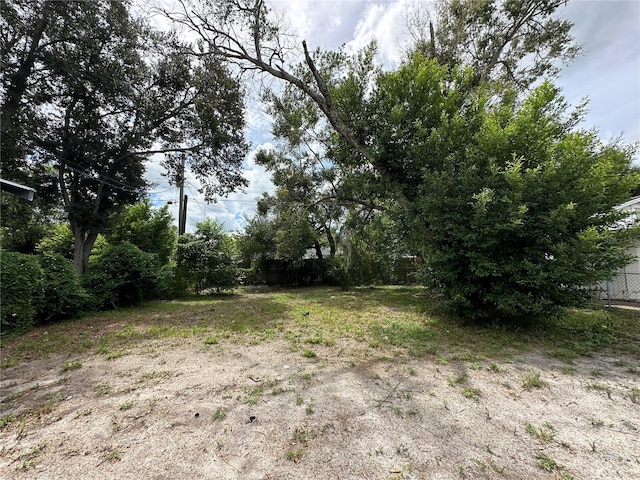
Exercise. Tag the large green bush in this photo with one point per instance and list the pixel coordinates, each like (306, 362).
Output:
(22, 291)
(207, 259)
(122, 275)
(170, 283)
(64, 297)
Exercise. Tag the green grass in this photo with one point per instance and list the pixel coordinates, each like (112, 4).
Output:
(391, 319)
(471, 393)
(546, 463)
(546, 432)
(219, 414)
(71, 365)
(532, 380)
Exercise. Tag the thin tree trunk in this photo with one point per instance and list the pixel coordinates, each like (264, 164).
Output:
(318, 250)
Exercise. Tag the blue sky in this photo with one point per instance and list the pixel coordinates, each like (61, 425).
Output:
(607, 73)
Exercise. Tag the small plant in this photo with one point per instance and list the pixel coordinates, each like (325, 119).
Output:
(309, 353)
(533, 380)
(113, 455)
(294, 455)
(219, 414)
(412, 371)
(307, 376)
(103, 389)
(566, 476)
(495, 368)
(211, 340)
(126, 405)
(5, 421)
(568, 370)
(457, 380)
(481, 465)
(596, 422)
(546, 463)
(546, 432)
(634, 395)
(398, 411)
(472, 393)
(309, 410)
(116, 424)
(442, 361)
(600, 387)
(71, 365)
(299, 400)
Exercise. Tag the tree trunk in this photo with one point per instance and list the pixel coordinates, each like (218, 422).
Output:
(82, 245)
(318, 250)
(332, 242)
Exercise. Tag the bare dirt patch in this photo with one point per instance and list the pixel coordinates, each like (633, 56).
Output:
(181, 409)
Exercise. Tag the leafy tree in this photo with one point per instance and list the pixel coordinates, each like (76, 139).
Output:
(516, 41)
(207, 258)
(91, 92)
(511, 204)
(302, 210)
(515, 213)
(257, 243)
(147, 228)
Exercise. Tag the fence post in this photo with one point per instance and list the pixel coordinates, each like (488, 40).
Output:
(608, 296)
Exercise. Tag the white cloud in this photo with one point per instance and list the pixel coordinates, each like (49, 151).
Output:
(229, 210)
(384, 23)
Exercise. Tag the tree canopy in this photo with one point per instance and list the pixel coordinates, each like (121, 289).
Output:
(90, 92)
(488, 179)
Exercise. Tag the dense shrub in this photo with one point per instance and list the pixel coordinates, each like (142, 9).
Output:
(22, 291)
(122, 275)
(207, 258)
(64, 297)
(170, 283)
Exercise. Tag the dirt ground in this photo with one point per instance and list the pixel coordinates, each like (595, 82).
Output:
(179, 409)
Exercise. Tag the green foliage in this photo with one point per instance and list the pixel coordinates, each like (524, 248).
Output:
(58, 240)
(122, 275)
(170, 283)
(64, 296)
(97, 91)
(147, 228)
(207, 258)
(22, 291)
(520, 216)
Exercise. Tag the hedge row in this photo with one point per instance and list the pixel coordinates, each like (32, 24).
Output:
(45, 288)
(37, 289)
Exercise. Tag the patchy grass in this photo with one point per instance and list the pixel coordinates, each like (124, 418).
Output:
(393, 318)
(71, 365)
(546, 463)
(532, 380)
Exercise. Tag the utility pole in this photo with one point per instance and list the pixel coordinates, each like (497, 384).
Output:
(182, 203)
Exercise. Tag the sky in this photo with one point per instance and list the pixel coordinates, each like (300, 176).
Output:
(607, 73)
